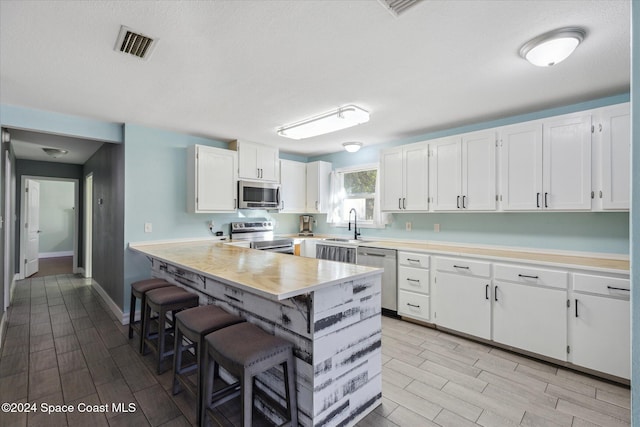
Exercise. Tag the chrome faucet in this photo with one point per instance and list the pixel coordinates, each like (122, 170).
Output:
(355, 223)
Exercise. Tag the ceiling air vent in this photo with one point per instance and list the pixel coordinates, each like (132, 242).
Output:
(135, 43)
(397, 7)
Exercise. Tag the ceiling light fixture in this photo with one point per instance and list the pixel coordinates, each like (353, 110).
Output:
(553, 47)
(55, 152)
(352, 147)
(342, 118)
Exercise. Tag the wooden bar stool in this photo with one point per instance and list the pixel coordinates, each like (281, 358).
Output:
(138, 292)
(244, 350)
(193, 324)
(164, 301)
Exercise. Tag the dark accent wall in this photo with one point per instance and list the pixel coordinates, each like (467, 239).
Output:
(48, 170)
(107, 166)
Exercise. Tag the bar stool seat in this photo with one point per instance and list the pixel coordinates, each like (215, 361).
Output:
(138, 292)
(193, 324)
(244, 350)
(164, 301)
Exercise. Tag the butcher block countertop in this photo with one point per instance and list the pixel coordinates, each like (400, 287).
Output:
(269, 274)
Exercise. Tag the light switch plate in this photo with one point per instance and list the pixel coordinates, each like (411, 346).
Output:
(148, 227)
(407, 226)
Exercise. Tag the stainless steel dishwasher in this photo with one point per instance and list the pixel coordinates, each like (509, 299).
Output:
(387, 259)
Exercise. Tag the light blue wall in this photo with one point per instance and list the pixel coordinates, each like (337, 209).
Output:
(635, 212)
(60, 124)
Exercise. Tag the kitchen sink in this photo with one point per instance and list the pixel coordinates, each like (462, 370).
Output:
(337, 239)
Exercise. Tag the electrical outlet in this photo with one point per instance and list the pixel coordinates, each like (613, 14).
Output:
(436, 228)
(407, 226)
(148, 227)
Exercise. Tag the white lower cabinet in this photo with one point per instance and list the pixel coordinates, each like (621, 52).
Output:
(462, 301)
(599, 324)
(531, 318)
(413, 285)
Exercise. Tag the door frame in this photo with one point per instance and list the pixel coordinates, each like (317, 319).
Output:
(23, 219)
(8, 225)
(88, 225)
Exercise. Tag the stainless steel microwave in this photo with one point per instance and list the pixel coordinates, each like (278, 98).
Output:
(258, 195)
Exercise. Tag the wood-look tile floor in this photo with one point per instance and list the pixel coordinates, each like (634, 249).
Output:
(64, 346)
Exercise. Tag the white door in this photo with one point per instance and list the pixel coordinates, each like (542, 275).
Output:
(416, 178)
(463, 304)
(600, 334)
(447, 173)
(479, 171)
(531, 318)
(567, 163)
(391, 179)
(615, 131)
(32, 198)
(521, 171)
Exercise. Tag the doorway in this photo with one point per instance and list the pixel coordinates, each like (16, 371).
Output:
(49, 220)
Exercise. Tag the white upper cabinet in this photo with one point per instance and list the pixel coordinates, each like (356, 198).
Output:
(211, 179)
(318, 187)
(404, 178)
(463, 172)
(293, 187)
(547, 164)
(256, 161)
(612, 144)
(566, 170)
(521, 166)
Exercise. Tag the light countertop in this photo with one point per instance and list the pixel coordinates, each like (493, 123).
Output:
(269, 274)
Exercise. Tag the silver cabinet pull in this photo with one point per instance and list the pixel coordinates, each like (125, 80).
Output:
(527, 276)
(458, 202)
(463, 199)
(413, 305)
(399, 203)
(495, 293)
(461, 266)
(613, 288)
(413, 280)
(404, 203)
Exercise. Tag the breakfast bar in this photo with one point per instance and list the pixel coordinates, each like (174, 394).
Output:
(330, 311)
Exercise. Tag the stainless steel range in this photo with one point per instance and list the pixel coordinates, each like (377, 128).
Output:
(260, 235)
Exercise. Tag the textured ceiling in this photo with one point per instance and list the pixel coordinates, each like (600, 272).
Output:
(239, 69)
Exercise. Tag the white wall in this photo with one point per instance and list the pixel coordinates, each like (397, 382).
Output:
(57, 217)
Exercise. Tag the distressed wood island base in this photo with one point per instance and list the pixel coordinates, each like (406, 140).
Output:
(330, 312)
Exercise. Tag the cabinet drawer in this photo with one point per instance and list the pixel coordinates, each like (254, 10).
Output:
(413, 279)
(602, 285)
(412, 259)
(463, 266)
(531, 276)
(413, 305)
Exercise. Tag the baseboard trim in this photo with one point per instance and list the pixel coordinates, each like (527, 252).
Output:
(79, 270)
(12, 287)
(3, 328)
(120, 315)
(55, 254)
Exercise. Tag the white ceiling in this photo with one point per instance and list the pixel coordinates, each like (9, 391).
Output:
(28, 145)
(239, 69)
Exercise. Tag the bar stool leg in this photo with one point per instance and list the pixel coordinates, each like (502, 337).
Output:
(161, 332)
(132, 315)
(177, 359)
(145, 328)
(247, 399)
(205, 399)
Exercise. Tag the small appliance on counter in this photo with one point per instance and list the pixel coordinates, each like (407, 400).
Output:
(306, 225)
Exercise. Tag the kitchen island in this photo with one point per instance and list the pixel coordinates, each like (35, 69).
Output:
(330, 311)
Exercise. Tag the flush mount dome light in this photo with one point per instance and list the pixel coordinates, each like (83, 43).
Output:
(55, 152)
(342, 118)
(553, 47)
(352, 147)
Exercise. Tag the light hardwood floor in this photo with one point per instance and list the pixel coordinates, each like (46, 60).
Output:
(431, 378)
(63, 346)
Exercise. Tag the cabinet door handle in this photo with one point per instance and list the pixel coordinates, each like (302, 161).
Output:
(399, 203)
(537, 200)
(463, 205)
(458, 202)
(413, 260)
(546, 200)
(413, 305)
(235, 203)
(404, 203)
(486, 291)
(576, 307)
(613, 288)
(413, 280)
(257, 172)
(461, 266)
(495, 293)
(527, 276)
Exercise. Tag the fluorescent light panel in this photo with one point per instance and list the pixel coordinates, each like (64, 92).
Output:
(342, 118)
